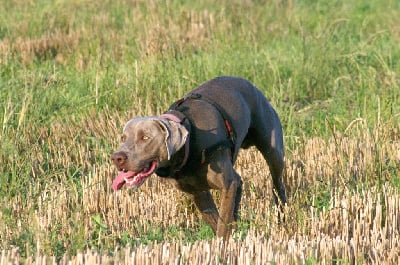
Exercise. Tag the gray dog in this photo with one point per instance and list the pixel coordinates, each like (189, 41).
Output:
(196, 142)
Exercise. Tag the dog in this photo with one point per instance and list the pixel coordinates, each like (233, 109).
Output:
(195, 143)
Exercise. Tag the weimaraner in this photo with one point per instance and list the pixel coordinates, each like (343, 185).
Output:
(196, 142)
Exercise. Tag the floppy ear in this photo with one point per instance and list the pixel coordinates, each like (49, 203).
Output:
(175, 137)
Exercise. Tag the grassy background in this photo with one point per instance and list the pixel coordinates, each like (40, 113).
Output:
(69, 67)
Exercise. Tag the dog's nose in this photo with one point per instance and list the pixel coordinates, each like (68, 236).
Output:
(119, 159)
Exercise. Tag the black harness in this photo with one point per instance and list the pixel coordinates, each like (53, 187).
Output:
(178, 110)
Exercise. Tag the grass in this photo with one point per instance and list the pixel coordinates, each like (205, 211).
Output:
(73, 72)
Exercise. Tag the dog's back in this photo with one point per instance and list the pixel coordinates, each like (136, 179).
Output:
(248, 109)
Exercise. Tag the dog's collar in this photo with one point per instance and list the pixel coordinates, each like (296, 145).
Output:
(172, 117)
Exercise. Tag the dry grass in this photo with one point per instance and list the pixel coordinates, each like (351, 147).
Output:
(342, 206)
(162, 36)
(56, 45)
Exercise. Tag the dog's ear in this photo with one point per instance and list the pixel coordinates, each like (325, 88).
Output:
(176, 135)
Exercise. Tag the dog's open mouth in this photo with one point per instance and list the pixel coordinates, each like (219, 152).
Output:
(133, 179)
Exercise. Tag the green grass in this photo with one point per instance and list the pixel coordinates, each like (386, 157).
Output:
(342, 55)
(322, 64)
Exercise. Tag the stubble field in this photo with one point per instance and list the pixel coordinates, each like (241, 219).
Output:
(73, 72)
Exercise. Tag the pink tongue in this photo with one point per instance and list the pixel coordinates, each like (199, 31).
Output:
(119, 180)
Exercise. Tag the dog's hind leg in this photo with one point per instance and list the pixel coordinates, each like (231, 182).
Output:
(270, 144)
(276, 166)
(274, 157)
(238, 198)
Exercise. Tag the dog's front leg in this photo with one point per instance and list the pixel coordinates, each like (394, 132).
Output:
(205, 204)
(222, 176)
(227, 221)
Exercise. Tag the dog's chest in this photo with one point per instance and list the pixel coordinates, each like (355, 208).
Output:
(191, 183)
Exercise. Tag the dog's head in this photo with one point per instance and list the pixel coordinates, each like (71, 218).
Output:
(146, 142)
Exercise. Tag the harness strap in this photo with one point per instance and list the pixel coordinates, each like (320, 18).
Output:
(229, 143)
(175, 113)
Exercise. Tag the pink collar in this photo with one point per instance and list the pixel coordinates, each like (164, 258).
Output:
(174, 118)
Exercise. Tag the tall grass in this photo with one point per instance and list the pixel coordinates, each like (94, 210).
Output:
(72, 72)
